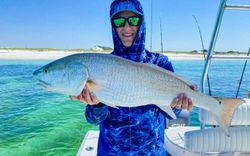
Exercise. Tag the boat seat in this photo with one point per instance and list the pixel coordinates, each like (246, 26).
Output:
(215, 140)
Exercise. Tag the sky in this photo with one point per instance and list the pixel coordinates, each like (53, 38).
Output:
(82, 24)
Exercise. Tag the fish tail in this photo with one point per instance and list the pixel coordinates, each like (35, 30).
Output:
(225, 111)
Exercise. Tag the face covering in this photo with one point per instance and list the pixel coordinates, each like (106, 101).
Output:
(137, 51)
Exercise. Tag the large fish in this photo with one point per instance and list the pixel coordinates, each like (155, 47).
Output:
(121, 82)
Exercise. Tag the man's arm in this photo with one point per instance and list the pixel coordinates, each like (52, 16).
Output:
(96, 114)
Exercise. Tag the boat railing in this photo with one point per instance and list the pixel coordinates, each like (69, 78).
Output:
(222, 7)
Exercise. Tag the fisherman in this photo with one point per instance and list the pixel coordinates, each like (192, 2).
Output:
(135, 130)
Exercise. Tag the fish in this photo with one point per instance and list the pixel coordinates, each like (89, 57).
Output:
(119, 82)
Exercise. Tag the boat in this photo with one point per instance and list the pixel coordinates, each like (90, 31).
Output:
(207, 139)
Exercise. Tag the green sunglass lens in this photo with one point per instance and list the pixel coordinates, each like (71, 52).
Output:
(134, 21)
(119, 22)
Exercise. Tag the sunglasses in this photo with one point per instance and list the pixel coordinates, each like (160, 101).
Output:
(121, 21)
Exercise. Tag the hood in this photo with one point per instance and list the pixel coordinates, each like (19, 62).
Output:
(137, 51)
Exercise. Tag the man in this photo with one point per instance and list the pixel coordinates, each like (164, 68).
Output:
(136, 130)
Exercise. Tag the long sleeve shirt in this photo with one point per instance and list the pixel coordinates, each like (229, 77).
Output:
(131, 131)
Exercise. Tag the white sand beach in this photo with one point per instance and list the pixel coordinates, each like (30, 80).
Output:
(32, 54)
(52, 55)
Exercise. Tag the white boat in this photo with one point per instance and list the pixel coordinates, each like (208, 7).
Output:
(182, 140)
(208, 139)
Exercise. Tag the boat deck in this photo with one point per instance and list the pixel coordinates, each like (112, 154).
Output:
(89, 144)
(174, 143)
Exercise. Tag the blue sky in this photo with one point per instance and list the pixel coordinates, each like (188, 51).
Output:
(69, 24)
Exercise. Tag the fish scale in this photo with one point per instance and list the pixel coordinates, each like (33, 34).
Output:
(120, 82)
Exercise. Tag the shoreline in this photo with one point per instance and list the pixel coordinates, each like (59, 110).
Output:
(52, 55)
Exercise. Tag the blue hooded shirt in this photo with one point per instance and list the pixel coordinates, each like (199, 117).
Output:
(136, 130)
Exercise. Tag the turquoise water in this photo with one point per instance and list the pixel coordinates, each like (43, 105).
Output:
(36, 122)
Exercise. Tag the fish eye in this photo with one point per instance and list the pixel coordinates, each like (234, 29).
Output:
(46, 70)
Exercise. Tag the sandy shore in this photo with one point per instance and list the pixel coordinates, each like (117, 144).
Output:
(33, 55)
(52, 55)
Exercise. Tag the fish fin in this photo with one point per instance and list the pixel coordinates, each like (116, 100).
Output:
(224, 113)
(114, 106)
(78, 82)
(109, 104)
(93, 86)
(168, 110)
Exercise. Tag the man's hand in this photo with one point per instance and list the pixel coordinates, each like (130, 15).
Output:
(86, 97)
(182, 101)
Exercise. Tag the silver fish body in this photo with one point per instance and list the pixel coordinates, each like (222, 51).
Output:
(121, 82)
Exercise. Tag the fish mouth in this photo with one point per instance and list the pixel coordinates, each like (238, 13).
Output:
(43, 84)
(36, 72)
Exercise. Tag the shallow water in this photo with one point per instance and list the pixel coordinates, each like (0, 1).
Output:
(36, 122)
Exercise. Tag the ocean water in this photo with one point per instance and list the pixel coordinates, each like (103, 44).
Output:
(36, 122)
